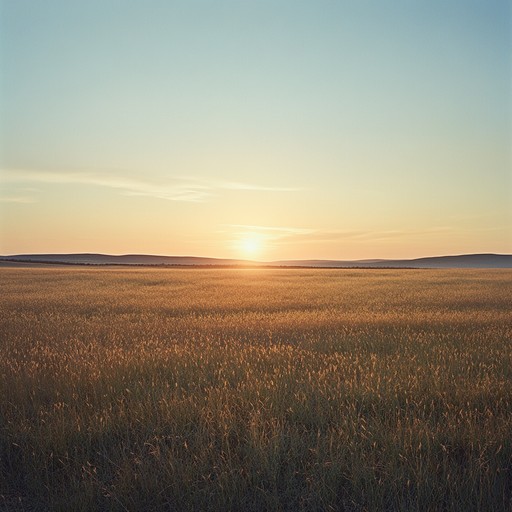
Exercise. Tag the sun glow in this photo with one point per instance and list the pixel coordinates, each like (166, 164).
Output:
(251, 245)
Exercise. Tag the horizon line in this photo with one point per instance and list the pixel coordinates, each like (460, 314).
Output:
(298, 260)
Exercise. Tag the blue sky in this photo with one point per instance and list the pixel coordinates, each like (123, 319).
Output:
(329, 129)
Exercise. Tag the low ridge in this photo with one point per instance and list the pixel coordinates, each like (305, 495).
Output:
(457, 261)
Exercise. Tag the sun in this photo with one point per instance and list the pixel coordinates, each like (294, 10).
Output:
(251, 245)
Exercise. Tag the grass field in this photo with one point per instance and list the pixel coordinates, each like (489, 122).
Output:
(254, 390)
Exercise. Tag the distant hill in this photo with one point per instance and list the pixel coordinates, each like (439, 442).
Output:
(126, 259)
(460, 261)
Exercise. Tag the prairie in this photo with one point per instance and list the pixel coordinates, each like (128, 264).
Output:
(254, 390)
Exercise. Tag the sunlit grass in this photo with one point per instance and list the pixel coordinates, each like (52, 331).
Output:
(255, 390)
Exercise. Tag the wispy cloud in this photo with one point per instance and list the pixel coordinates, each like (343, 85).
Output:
(269, 234)
(21, 195)
(171, 189)
(374, 235)
(17, 199)
(278, 231)
(292, 235)
(232, 185)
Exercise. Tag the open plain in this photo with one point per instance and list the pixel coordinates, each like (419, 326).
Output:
(253, 390)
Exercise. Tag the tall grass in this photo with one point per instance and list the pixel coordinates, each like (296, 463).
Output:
(255, 390)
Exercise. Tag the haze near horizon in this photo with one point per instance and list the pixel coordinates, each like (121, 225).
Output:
(260, 130)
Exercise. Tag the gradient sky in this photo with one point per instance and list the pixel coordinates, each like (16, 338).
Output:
(256, 128)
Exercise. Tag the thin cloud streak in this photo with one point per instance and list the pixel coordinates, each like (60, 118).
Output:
(362, 236)
(249, 186)
(17, 199)
(175, 189)
(293, 235)
(271, 229)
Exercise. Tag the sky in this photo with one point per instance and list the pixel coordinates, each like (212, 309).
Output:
(260, 129)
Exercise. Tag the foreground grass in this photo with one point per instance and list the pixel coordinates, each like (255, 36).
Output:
(255, 390)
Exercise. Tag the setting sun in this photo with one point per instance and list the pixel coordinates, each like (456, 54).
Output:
(251, 245)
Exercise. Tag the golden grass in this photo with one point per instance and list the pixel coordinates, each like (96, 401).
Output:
(252, 390)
